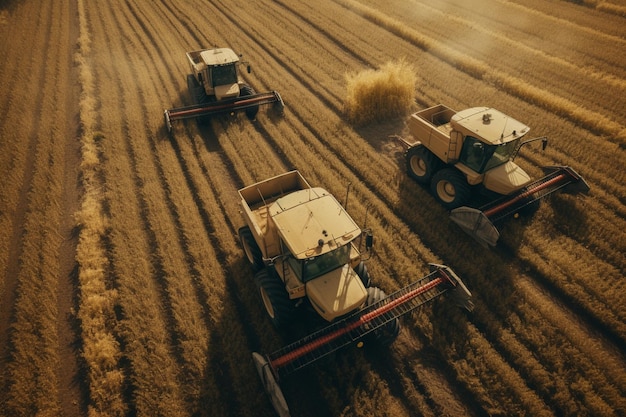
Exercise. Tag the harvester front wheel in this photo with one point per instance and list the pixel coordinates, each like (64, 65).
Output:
(275, 298)
(198, 96)
(251, 248)
(363, 273)
(196, 91)
(421, 164)
(450, 188)
(246, 90)
(386, 334)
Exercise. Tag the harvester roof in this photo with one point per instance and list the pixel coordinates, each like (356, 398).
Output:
(489, 125)
(219, 56)
(306, 218)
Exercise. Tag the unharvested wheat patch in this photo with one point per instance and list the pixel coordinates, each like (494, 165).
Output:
(376, 95)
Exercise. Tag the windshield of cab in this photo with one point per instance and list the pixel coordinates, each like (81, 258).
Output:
(315, 266)
(224, 75)
(481, 157)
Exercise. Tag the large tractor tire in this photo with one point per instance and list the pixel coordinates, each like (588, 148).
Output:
(196, 91)
(198, 96)
(251, 248)
(278, 305)
(389, 332)
(421, 164)
(450, 188)
(246, 90)
(362, 272)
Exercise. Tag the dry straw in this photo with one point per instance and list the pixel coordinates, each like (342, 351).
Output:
(376, 95)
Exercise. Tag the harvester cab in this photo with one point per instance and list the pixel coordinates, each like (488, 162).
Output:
(216, 87)
(217, 71)
(472, 151)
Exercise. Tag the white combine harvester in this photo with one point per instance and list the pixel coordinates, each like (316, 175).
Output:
(216, 87)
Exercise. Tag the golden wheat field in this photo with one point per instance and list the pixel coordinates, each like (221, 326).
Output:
(124, 290)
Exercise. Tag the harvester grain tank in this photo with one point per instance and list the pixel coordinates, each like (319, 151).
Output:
(305, 251)
(216, 87)
(472, 151)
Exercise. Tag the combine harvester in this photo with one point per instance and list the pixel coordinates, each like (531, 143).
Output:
(304, 249)
(463, 153)
(216, 87)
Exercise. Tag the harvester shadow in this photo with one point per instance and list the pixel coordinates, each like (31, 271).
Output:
(569, 217)
(383, 136)
(226, 123)
(230, 365)
(562, 213)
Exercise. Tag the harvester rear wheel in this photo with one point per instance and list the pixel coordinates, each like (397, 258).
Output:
(389, 332)
(421, 164)
(450, 188)
(275, 298)
(246, 90)
(251, 248)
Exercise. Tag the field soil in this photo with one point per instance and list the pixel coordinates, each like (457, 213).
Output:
(124, 289)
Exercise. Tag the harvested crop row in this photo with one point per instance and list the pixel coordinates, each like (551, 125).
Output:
(556, 72)
(143, 328)
(180, 310)
(287, 152)
(35, 274)
(322, 135)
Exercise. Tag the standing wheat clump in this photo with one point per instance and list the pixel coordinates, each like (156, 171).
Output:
(376, 95)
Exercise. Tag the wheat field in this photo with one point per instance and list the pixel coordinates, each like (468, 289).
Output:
(124, 290)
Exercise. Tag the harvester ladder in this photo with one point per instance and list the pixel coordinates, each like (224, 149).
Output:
(452, 146)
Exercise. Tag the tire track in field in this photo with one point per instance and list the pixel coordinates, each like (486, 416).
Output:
(317, 390)
(155, 260)
(226, 391)
(15, 306)
(73, 390)
(554, 67)
(305, 122)
(570, 300)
